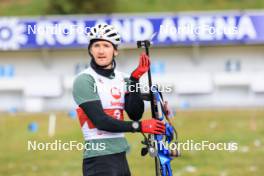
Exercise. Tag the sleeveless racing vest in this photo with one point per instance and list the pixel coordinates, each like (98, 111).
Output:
(112, 96)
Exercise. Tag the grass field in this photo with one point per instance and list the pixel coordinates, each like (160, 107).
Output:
(246, 127)
(39, 7)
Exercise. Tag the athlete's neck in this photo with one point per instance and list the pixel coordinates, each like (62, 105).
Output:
(107, 71)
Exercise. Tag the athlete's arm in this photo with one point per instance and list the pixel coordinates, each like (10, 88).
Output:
(134, 105)
(87, 98)
(102, 121)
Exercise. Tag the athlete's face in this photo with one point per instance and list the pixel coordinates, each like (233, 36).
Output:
(103, 53)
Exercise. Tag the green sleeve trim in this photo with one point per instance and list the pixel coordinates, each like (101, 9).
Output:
(84, 89)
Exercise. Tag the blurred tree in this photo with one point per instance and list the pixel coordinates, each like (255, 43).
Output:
(80, 6)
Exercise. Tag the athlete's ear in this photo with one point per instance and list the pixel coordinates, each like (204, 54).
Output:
(115, 53)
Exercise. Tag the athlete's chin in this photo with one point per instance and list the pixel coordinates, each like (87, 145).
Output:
(103, 62)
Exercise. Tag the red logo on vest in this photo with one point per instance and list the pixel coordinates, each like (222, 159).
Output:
(115, 92)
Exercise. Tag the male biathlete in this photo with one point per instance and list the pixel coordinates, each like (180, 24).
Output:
(101, 93)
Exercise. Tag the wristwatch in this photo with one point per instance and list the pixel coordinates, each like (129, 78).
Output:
(135, 126)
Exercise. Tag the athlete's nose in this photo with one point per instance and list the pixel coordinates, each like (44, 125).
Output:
(101, 50)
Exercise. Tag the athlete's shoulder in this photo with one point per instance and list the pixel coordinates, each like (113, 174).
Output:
(84, 88)
(84, 77)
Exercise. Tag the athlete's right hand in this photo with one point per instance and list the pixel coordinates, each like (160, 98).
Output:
(152, 126)
(143, 67)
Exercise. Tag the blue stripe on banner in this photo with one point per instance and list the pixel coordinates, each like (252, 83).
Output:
(71, 31)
